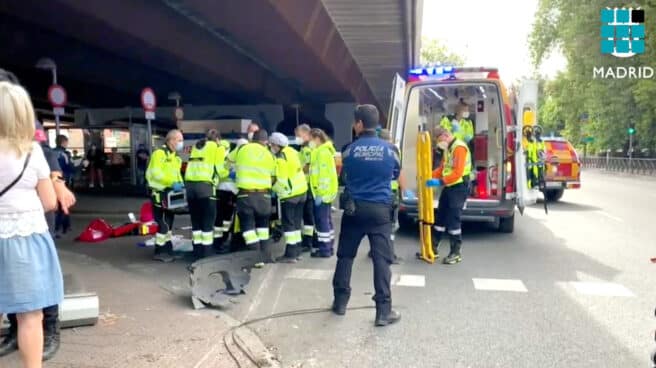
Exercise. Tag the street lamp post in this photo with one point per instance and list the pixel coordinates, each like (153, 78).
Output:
(49, 64)
(631, 132)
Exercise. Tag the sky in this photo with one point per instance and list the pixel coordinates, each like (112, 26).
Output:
(493, 33)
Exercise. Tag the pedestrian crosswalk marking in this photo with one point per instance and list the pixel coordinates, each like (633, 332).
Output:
(601, 289)
(500, 285)
(309, 274)
(409, 280)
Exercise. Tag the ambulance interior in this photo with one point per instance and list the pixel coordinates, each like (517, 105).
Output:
(429, 104)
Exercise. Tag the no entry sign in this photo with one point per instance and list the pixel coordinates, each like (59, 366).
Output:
(57, 97)
(149, 102)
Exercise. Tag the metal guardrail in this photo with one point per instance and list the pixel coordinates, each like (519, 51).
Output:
(637, 166)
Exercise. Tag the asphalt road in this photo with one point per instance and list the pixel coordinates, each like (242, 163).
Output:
(573, 288)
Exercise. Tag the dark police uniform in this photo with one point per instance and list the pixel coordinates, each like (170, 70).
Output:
(369, 165)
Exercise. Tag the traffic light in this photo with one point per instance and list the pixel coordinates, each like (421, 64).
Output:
(631, 131)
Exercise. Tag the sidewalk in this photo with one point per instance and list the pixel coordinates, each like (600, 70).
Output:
(146, 320)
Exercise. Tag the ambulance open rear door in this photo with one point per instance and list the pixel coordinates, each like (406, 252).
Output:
(397, 110)
(526, 111)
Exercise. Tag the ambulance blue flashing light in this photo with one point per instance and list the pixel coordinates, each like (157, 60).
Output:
(433, 71)
(449, 72)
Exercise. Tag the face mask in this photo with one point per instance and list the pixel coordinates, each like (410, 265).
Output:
(465, 115)
(299, 140)
(443, 145)
(179, 146)
(312, 144)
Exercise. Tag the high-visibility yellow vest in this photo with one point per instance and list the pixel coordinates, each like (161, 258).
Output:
(290, 179)
(206, 163)
(163, 169)
(306, 157)
(466, 131)
(323, 172)
(254, 167)
(448, 162)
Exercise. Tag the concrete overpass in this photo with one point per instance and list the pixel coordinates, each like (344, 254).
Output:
(324, 55)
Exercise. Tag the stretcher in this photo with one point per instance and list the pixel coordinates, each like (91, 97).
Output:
(425, 196)
(79, 308)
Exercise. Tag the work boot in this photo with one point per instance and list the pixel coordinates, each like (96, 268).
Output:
(306, 246)
(385, 315)
(292, 252)
(339, 304)
(50, 344)
(162, 255)
(198, 252)
(220, 247)
(454, 255)
(9, 344)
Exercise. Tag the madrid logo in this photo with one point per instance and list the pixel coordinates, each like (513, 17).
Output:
(622, 32)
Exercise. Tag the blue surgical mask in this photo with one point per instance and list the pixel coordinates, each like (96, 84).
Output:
(179, 146)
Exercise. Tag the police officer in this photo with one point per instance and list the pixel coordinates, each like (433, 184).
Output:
(163, 175)
(255, 169)
(201, 177)
(303, 137)
(226, 200)
(461, 126)
(370, 164)
(324, 186)
(453, 174)
(291, 189)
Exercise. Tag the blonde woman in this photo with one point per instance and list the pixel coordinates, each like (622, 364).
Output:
(30, 275)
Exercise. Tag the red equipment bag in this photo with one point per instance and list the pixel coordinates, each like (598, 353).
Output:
(146, 213)
(98, 230)
(127, 229)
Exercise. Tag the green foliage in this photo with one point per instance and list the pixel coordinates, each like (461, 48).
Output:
(611, 105)
(433, 51)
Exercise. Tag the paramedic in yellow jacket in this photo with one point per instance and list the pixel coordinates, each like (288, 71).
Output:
(303, 138)
(461, 126)
(291, 188)
(163, 175)
(204, 168)
(226, 201)
(324, 186)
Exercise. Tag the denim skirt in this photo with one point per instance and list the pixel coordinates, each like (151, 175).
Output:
(30, 275)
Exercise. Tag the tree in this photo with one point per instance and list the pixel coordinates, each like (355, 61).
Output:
(611, 105)
(434, 51)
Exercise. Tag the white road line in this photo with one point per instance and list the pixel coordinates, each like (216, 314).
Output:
(500, 285)
(604, 213)
(206, 356)
(601, 289)
(409, 280)
(256, 299)
(309, 274)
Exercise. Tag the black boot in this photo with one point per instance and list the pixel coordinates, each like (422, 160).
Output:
(51, 339)
(385, 315)
(162, 254)
(199, 251)
(339, 303)
(9, 344)
(454, 255)
(220, 247)
(291, 254)
(306, 246)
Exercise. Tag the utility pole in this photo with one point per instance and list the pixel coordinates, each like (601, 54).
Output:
(631, 133)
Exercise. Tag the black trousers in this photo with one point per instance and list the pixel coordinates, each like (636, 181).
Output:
(254, 211)
(226, 203)
(449, 210)
(375, 221)
(164, 219)
(292, 223)
(50, 321)
(308, 220)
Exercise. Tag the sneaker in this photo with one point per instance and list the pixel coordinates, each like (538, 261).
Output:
(452, 259)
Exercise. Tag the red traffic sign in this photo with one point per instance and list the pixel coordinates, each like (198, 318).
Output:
(57, 96)
(148, 99)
